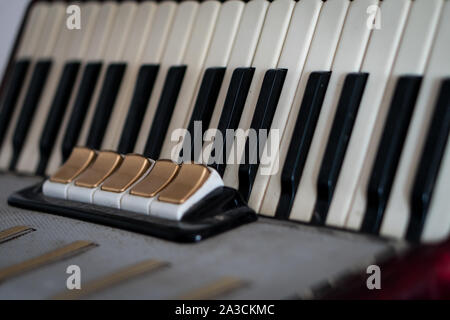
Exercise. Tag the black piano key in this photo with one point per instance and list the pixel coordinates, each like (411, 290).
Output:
(389, 151)
(301, 140)
(339, 137)
(80, 108)
(37, 83)
(262, 120)
(205, 103)
(142, 92)
(12, 93)
(429, 164)
(56, 113)
(105, 104)
(164, 112)
(232, 110)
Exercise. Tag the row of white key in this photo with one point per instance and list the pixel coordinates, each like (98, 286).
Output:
(303, 37)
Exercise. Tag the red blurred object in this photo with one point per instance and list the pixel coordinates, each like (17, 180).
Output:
(422, 273)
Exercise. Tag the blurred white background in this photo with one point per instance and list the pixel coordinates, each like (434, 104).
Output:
(11, 13)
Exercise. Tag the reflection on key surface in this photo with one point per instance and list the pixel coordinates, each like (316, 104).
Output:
(79, 160)
(131, 169)
(162, 173)
(105, 164)
(190, 178)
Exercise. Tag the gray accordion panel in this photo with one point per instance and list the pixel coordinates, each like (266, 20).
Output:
(276, 260)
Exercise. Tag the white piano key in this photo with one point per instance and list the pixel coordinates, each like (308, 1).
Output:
(159, 33)
(137, 36)
(437, 224)
(80, 42)
(113, 53)
(152, 53)
(396, 216)
(30, 36)
(293, 57)
(411, 59)
(47, 39)
(218, 54)
(378, 62)
(173, 211)
(241, 56)
(70, 45)
(173, 55)
(266, 57)
(107, 17)
(94, 52)
(134, 48)
(324, 47)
